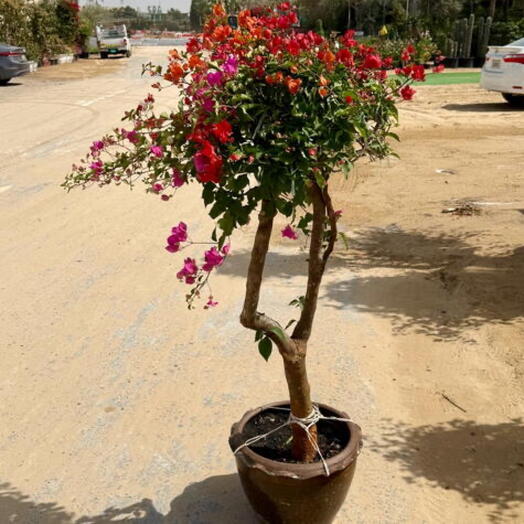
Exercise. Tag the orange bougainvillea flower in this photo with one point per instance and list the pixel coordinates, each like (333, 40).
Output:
(218, 10)
(293, 84)
(294, 69)
(175, 73)
(195, 62)
(323, 92)
(174, 54)
(323, 81)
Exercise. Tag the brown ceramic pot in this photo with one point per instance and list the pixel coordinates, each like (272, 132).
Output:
(282, 493)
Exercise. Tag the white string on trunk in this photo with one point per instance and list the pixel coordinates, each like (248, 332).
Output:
(305, 423)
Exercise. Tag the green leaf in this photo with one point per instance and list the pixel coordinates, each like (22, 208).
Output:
(265, 348)
(290, 323)
(279, 333)
(258, 335)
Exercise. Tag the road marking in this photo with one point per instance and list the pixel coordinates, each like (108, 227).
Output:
(86, 103)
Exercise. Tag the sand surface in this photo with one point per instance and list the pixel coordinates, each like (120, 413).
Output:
(117, 401)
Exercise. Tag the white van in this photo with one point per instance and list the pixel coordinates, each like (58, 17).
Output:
(113, 41)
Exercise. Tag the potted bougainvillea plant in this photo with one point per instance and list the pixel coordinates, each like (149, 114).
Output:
(267, 116)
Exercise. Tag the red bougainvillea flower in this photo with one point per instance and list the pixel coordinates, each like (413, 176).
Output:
(439, 68)
(372, 62)
(208, 164)
(349, 99)
(289, 232)
(222, 131)
(407, 93)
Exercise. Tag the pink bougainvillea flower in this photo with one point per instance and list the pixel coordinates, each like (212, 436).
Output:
(132, 136)
(97, 166)
(226, 249)
(157, 151)
(230, 66)
(289, 232)
(338, 213)
(210, 303)
(96, 147)
(176, 179)
(215, 79)
(188, 271)
(179, 233)
(208, 104)
(213, 259)
(157, 187)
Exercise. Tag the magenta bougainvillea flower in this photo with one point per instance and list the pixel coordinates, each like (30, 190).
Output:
(289, 232)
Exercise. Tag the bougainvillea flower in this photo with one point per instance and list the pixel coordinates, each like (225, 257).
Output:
(213, 259)
(208, 164)
(293, 84)
(289, 232)
(97, 146)
(226, 249)
(210, 303)
(176, 179)
(157, 151)
(188, 271)
(372, 62)
(407, 93)
(179, 233)
(216, 78)
(230, 66)
(223, 131)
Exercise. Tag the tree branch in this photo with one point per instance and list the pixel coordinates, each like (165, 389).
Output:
(302, 330)
(250, 317)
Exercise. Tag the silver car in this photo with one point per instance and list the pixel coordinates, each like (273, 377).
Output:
(13, 62)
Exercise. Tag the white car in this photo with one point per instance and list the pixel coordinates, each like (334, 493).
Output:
(113, 41)
(503, 71)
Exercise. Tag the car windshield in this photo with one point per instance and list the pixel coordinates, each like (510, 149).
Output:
(113, 33)
(518, 43)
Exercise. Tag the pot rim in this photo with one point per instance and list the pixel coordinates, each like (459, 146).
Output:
(299, 471)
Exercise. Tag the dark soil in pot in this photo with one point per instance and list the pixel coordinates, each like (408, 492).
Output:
(333, 436)
(285, 492)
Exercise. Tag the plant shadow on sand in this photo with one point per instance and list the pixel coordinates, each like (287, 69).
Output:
(435, 284)
(216, 500)
(482, 462)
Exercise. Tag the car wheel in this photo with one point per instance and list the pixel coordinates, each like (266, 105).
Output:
(514, 100)
(103, 55)
(4, 81)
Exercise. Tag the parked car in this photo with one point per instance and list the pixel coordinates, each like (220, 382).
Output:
(113, 41)
(503, 71)
(13, 62)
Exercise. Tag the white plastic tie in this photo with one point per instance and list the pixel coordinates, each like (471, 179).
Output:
(305, 423)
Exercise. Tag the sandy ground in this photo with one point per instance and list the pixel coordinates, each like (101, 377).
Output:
(117, 401)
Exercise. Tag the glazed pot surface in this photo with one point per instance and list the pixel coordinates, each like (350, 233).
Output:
(287, 493)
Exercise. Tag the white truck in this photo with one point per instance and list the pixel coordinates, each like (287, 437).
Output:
(113, 41)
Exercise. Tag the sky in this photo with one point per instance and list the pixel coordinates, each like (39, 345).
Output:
(181, 5)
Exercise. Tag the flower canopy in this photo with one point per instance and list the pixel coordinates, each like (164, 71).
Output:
(265, 111)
